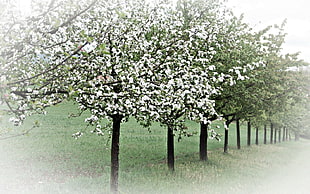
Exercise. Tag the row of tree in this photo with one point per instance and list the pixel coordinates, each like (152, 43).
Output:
(156, 61)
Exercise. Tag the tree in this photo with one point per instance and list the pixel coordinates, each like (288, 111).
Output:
(249, 134)
(265, 134)
(237, 61)
(271, 133)
(256, 135)
(184, 86)
(238, 133)
(226, 127)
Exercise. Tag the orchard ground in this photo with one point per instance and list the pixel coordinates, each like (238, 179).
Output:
(49, 160)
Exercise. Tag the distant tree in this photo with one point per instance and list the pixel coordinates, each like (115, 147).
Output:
(249, 133)
(265, 134)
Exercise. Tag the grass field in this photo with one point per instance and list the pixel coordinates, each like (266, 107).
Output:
(49, 160)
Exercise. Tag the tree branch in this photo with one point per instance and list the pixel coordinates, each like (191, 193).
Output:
(17, 135)
(72, 18)
(50, 69)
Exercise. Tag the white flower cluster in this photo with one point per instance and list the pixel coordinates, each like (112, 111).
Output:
(77, 135)
(153, 61)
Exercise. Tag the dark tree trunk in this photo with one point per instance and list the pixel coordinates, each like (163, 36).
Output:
(238, 134)
(279, 140)
(271, 133)
(115, 153)
(275, 136)
(283, 135)
(265, 134)
(249, 133)
(286, 134)
(170, 148)
(203, 146)
(226, 139)
(256, 136)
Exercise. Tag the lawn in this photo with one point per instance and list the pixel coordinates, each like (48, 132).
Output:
(49, 160)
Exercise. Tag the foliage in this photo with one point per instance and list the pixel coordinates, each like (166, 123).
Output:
(115, 58)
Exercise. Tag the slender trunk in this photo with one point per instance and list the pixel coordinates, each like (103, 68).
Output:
(170, 148)
(226, 139)
(265, 134)
(275, 135)
(203, 146)
(271, 133)
(286, 134)
(256, 136)
(289, 136)
(115, 153)
(283, 135)
(238, 134)
(249, 133)
(279, 140)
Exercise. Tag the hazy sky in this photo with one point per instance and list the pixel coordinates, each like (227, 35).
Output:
(262, 13)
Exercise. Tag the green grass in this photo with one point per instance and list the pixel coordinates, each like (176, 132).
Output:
(49, 160)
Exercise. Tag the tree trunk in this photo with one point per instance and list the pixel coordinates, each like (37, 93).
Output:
(170, 148)
(238, 134)
(275, 135)
(203, 146)
(249, 133)
(283, 135)
(279, 140)
(256, 136)
(265, 134)
(115, 153)
(226, 139)
(271, 133)
(286, 134)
